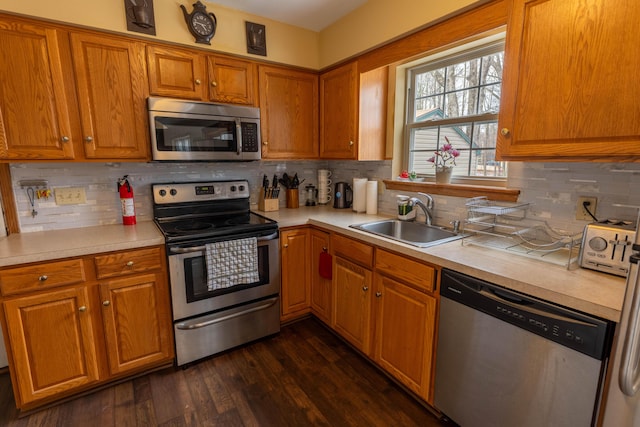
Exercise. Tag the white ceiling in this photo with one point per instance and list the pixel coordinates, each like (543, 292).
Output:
(310, 14)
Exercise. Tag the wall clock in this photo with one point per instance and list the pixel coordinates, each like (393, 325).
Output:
(202, 25)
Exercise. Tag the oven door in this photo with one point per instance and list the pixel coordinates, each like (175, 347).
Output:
(190, 294)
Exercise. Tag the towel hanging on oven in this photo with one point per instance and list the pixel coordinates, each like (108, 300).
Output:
(232, 262)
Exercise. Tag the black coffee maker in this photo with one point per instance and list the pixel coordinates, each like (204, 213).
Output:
(342, 196)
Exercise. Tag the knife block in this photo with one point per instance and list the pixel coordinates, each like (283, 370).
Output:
(267, 205)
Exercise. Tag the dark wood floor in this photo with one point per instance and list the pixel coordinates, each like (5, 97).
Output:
(304, 376)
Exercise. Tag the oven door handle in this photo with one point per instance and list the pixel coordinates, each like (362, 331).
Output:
(203, 247)
(190, 326)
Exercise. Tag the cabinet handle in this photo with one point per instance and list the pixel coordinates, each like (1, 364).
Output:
(130, 264)
(214, 84)
(82, 308)
(43, 278)
(64, 139)
(198, 81)
(365, 288)
(106, 303)
(88, 139)
(504, 132)
(378, 294)
(350, 143)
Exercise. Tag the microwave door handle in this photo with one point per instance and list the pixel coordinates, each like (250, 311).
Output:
(239, 134)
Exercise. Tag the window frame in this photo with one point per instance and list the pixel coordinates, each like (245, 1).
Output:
(440, 60)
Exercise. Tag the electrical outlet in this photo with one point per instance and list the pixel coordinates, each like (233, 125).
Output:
(581, 212)
(70, 196)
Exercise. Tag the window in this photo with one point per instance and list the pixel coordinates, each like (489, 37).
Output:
(456, 99)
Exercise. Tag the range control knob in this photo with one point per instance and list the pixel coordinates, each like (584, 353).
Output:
(162, 193)
(232, 188)
(241, 188)
(598, 244)
(173, 191)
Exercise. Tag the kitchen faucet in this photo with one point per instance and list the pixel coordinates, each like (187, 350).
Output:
(427, 208)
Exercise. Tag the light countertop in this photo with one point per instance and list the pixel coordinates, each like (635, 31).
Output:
(592, 292)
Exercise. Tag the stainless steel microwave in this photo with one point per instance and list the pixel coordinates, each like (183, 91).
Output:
(198, 131)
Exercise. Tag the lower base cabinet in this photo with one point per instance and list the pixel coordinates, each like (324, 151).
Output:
(321, 287)
(75, 324)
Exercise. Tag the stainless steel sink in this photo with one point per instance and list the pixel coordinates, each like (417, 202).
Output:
(412, 233)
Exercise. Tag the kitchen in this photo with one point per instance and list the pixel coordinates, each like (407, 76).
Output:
(552, 187)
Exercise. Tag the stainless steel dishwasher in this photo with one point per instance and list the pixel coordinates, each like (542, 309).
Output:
(506, 359)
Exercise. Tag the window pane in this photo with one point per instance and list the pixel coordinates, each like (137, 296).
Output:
(462, 103)
(492, 68)
(490, 99)
(429, 108)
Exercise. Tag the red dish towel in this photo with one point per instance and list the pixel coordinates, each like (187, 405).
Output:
(324, 268)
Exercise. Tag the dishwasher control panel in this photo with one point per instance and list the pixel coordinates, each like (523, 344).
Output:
(579, 331)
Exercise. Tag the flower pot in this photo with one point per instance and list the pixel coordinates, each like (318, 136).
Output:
(443, 174)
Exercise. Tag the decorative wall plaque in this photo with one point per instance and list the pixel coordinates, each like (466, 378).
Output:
(140, 17)
(256, 38)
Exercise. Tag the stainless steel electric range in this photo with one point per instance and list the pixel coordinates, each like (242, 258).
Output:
(224, 266)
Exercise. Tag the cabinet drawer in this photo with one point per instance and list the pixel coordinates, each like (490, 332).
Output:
(413, 273)
(41, 276)
(352, 250)
(121, 263)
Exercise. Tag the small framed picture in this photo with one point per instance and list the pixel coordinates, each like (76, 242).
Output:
(256, 38)
(140, 16)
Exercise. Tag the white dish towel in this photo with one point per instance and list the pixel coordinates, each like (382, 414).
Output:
(232, 262)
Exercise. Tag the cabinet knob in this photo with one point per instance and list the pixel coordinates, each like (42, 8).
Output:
(265, 142)
(504, 132)
(324, 249)
(198, 81)
(286, 245)
(350, 143)
(130, 264)
(64, 139)
(214, 84)
(82, 308)
(378, 294)
(365, 288)
(43, 278)
(88, 138)
(106, 303)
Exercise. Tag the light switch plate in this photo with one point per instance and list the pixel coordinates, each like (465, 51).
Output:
(70, 196)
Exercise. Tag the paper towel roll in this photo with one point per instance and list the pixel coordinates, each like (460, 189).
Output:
(360, 194)
(372, 197)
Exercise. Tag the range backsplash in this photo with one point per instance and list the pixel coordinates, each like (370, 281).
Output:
(551, 188)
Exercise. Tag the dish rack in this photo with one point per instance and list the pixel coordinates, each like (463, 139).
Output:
(507, 228)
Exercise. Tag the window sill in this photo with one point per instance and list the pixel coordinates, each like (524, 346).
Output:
(456, 190)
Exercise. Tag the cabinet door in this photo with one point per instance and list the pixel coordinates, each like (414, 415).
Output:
(34, 116)
(176, 73)
(295, 272)
(289, 113)
(136, 316)
(112, 92)
(352, 303)
(321, 289)
(52, 343)
(231, 80)
(405, 328)
(566, 93)
(339, 112)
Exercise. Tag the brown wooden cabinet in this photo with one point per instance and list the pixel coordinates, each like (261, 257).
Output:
(112, 90)
(321, 288)
(35, 92)
(231, 80)
(66, 314)
(353, 291)
(566, 93)
(52, 344)
(295, 291)
(353, 112)
(405, 315)
(177, 73)
(289, 113)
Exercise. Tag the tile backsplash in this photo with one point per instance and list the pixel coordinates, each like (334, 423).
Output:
(551, 188)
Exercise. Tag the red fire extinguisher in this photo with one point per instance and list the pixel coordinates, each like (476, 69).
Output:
(126, 200)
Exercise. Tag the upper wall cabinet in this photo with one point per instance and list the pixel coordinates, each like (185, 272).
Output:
(112, 89)
(570, 80)
(289, 113)
(353, 109)
(182, 73)
(35, 93)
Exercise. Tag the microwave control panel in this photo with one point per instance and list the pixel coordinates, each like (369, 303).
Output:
(250, 142)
